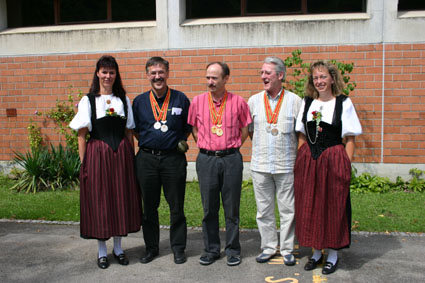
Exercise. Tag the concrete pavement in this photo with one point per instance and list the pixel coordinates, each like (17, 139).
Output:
(36, 252)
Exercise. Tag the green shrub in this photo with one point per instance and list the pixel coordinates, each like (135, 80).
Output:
(31, 178)
(375, 184)
(47, 170)
(296, 80)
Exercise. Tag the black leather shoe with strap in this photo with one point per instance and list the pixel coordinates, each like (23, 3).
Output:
(312, 264)
(122, 259)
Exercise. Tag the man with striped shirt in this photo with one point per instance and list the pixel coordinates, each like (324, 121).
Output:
(274, 148)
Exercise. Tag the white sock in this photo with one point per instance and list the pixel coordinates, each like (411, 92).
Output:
(117, 246)
(317, 255)
(102, 248)
(332, 256)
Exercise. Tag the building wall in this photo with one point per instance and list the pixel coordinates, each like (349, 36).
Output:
(40, 65)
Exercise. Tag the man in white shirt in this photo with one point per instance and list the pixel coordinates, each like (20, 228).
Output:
(274, 149)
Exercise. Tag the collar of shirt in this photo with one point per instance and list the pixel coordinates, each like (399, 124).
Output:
(277, 96)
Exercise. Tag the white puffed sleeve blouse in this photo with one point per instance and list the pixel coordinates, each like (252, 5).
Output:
(350, 122)
(83, 117)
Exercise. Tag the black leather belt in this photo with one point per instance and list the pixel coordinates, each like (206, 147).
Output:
(218, 153)
(158, 151)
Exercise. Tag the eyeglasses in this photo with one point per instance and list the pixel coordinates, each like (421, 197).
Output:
(322, 77)
(267, 73)
(158, 73)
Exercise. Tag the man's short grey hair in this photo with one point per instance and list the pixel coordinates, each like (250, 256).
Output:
(280, 66)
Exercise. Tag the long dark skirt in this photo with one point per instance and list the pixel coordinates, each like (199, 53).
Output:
(110, 200)
(322, 198)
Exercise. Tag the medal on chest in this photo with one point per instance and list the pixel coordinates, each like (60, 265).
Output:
(272, 116)
(160, 113)
(216, 117)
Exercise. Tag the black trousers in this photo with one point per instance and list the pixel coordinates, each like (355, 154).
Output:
(169, 172)
(220, 175)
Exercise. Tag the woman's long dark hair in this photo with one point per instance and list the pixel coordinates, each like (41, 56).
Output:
(107, 61)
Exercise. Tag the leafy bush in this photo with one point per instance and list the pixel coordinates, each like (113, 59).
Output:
(61, 115)
(368, 183)
(300, 74)
(57, 168)
(47, 170)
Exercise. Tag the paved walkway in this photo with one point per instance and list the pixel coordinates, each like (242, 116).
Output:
(37, 252)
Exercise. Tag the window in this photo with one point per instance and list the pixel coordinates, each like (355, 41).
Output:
(196, 9)
(26, 13)
(410, 5)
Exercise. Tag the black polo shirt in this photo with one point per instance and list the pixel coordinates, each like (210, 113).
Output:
(177, 113)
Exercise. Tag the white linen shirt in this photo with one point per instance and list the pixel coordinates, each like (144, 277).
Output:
(274, 154)
(350, 122)
(83, 117)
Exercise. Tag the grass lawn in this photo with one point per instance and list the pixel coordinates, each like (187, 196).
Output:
(395, 211)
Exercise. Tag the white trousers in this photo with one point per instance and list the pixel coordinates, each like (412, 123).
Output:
(268, 188)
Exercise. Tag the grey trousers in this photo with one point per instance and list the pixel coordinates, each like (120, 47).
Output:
(220, 175)
(269, 189)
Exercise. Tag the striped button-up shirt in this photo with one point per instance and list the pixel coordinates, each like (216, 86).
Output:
(274, 154)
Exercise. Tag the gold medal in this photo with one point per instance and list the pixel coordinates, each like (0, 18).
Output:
(108, 101)
(219, 132)
(216, 117)
(275, 131)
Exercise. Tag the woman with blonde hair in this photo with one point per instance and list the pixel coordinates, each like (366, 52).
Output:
(327, 124)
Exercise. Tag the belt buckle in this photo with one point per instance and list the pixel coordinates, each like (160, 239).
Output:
(220, 153)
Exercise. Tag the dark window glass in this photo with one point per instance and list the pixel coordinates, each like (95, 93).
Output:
(72, 11)
(227, 8)
(26, 13)
(196, 9)
(335, 6)
(411, 5)
(272, 7)
(131, 10)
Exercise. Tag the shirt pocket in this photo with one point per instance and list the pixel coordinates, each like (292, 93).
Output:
(288, 125)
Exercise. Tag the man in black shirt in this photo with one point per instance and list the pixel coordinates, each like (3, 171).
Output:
(162, 130)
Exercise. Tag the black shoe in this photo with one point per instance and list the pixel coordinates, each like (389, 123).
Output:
(312, 264)
(103, 262)
(329, 267)
(148, 257)
(207, 259)
(179, 257)
(233, 260)
(122, 259)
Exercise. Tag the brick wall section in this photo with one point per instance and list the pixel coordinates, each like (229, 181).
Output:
(34, 83)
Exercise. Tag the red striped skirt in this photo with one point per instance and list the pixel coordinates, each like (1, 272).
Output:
(110, 200)
(322, 198)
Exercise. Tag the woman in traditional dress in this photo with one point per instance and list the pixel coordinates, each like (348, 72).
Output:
(110, 201)
(327, 124)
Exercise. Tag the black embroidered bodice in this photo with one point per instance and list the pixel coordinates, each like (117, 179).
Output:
(330, 134)
(110, 129)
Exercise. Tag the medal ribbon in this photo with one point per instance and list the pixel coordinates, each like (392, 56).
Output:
(216, 117)
(159, 113)
(272, 117)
